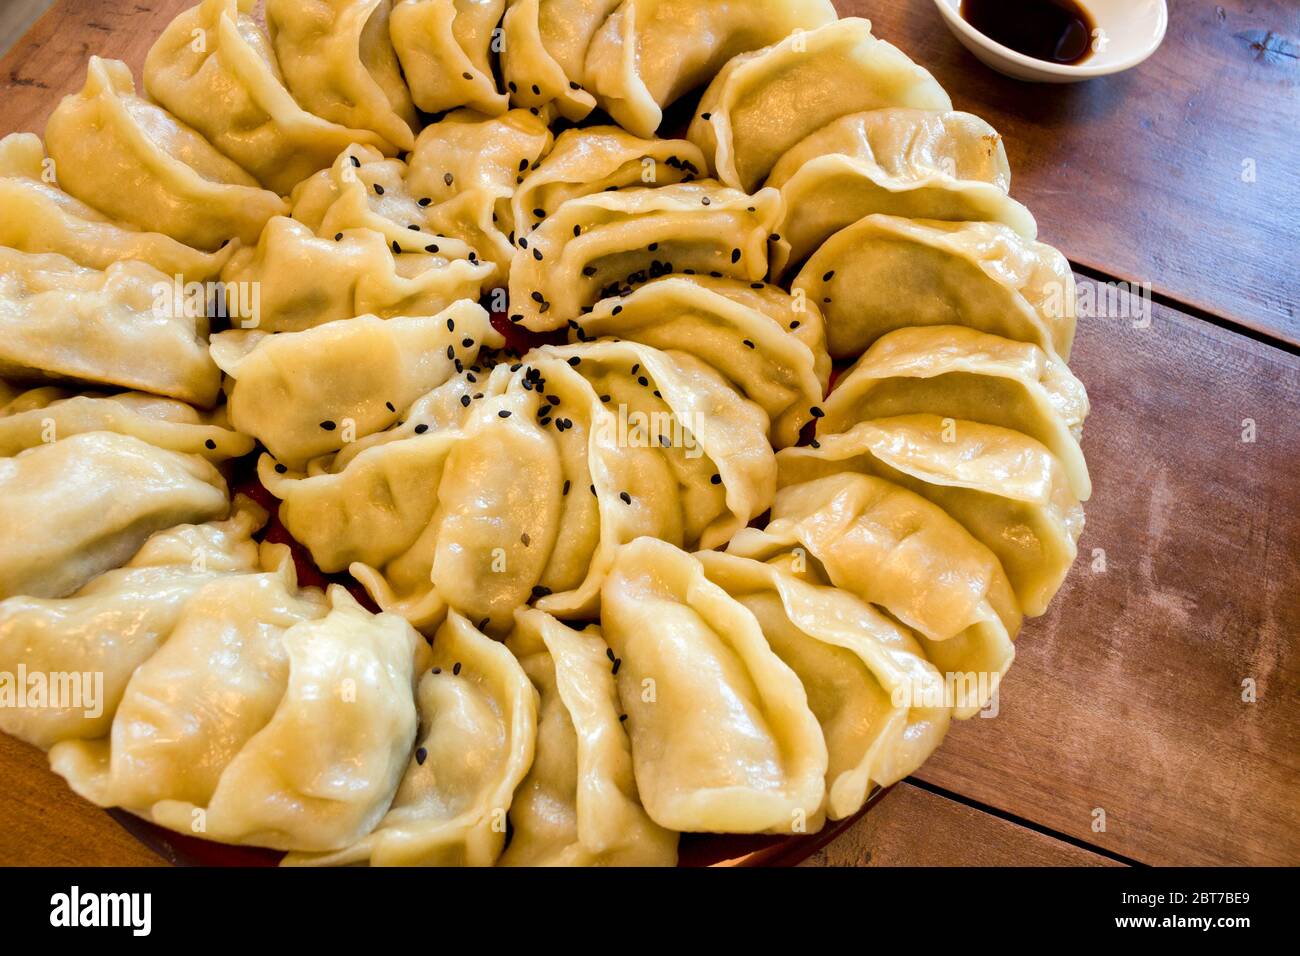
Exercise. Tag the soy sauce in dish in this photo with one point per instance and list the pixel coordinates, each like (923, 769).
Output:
(1058, 31)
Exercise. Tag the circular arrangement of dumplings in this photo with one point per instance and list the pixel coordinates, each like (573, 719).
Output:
(547, 398)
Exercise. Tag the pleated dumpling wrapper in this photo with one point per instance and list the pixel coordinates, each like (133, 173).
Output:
(476, 738)
(723, 740)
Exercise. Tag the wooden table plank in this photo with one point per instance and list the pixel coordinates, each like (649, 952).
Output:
(43, 823)
(1127, 696)
(1140, 175)
(913, 827)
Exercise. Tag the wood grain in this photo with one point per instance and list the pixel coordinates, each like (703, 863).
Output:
(43, 823)
(1139, 175)
(913, 827)
(1127, 696)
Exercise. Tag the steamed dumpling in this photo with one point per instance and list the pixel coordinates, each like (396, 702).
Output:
(36, 216)
(917, 164)
(597, 159)
(1008, 490)
(958, 373)
(339, 63)
(43, 415)
(884, 273)
(115, 623)
(762, 103)
(123, 327)
(229, 88)
(309, 393)
(478, 726)
(723, 323)
(852, 661)
(81, 506)
(722, 736)
(578, 806)
(444, 47)
(544, 49)
(304, 281)
(311, 750)
(136, 162)
(597, 246)
(648, 53)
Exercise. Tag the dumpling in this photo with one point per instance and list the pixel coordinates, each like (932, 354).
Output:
(36, 216)
(365, 190)
(648, 53)
(439, 518)
(1008, 490)
(339, 63)
(136, 162)
(958, 373)
(763, 103)
(891, 547)
(309, 393)
(309, 752)
(304, 281)
(578, 806)
(478, 726)
(853, 662)
(884, 273)
(115, 623)
(75, 508)
(444, 47)
(722, 737)
(917, 164)
(713, 439)
(544, 50)
(598, 246)
(782, 370)
(124, 327)
(597, 159)
(42, 415)
(465, 169)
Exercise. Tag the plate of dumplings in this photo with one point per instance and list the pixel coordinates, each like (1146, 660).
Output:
(543, 432)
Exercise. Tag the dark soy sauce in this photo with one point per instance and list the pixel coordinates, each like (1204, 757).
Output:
(1058, 31)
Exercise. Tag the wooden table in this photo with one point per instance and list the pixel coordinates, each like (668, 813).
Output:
(1126, 733)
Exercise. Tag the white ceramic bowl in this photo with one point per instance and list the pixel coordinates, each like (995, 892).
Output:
(1132, 30)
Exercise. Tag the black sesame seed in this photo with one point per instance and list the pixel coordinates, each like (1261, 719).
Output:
(593, 489)
(464, 401)
(794, 325)
(468, 75)
(397, 248)
(537, 90)
(539, 213)
(618, 662)
(210, 444)
(565, 490)
(706, 201)
(816, 443)
(413, 227)
(523, 163)
(379, 190)
(448, 179)
(588, 271)
(504, 413)
(432, 248)
(421, 755)
(451, 353)
(706, 116)
(525, 540)
(425, 201)
(338, 236)
(538, 297)
(577, 231)
(537, 254)
(328, 425)
(609, 652)
(716, 479)
(622, 717)
(829, 276)
(616, 310)
(735, 255)
(280, 469)
(467, 342)
(816, 412)
(455, 668)
(421, 428)
(627, 499)
(355, 162)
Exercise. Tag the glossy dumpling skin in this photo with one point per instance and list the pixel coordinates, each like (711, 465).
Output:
(578, 806)
(42, 415)
(136, 162)
(304, 281)
(123, 327)
(1007, 489)
(917, 164)
(116, 622)
(892, 548)
(884, 273)
(444, 47)
(598, 246)
(312, 750)
(544, 50)
(959, 373)
(309, 393)
(762, 103)
(468, 166)
(36, 216)
(852, 660)
(722, 737)
(650, 52)
(782, 370)
(339, 63)
(232, 92)
(478, 726)
(81, 506)
(595, 159)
